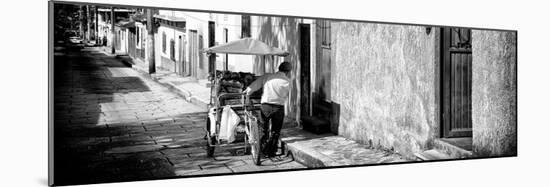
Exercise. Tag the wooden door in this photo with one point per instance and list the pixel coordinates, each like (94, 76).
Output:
(193, 52)
(305, 75)
(132, 44)
(456, 76)
(180, 63)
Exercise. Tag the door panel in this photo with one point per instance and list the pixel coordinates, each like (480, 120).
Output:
(180, 63)
(305, 77)
(456, 79)
(193, 53)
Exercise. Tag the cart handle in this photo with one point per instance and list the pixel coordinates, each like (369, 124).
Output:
(245, 100)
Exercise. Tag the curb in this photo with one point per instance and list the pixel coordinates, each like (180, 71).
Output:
(302, 153)
(329, 150)
(303, 157)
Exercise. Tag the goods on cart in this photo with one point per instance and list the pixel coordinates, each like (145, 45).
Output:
(233, 82)
(230, 81)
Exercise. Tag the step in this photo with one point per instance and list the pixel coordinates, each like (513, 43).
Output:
(328, 150)
(432, 154)
(450, 147)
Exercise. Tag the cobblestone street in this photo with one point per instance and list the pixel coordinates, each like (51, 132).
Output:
(114, 124)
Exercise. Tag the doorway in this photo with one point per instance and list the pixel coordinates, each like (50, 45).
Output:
(180, 63)
(456, 82)
(305, 75)
(193, 53)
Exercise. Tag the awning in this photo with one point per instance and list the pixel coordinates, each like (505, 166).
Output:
(247, 46)
(126, 24)
(116, 10)
(138, 17)
(170, 18)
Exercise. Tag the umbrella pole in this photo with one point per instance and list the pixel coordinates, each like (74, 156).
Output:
(273, 68)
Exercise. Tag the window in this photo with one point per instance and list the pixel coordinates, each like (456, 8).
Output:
(245, 26)
(461, 38)
(324, 27)
(164, 42)
(180, 25)
(172, 50)
(137, 38)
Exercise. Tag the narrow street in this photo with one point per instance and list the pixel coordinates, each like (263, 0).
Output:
(114, 124)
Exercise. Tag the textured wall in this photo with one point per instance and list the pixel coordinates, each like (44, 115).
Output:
(281, 32)
(494, 93)
(384, 78)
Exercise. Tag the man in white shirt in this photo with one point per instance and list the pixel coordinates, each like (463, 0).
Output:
(276, 88)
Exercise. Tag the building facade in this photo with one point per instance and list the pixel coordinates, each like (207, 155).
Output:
(406, 88)
(399, 87)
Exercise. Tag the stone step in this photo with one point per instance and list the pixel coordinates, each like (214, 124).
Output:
(456, 152)
(328, 150)
(432, 154)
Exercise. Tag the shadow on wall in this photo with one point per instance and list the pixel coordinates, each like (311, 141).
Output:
(281, 32)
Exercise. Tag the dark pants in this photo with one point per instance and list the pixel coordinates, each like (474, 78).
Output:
(269, 140)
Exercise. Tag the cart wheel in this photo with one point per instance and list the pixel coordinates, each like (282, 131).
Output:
(246, 144)
(254, 140)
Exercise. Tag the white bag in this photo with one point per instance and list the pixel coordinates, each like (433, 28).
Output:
(228, 123)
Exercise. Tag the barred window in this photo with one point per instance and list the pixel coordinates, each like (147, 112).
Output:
(324, 27)
(461, 38)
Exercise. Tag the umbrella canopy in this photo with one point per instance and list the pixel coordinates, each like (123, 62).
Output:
(246, 46)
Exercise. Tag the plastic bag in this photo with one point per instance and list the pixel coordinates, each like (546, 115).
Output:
(228, 123)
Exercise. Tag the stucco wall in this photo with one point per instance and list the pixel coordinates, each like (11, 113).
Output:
(384, 79)
(494, 93)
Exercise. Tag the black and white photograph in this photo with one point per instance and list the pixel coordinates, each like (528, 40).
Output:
(143, 93)
(216, 93)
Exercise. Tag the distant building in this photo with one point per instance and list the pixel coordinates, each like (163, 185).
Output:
(137, 37)
(182, 36)
(104, 27)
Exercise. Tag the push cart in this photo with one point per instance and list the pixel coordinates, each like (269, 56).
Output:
(247, 132)
(226, 94)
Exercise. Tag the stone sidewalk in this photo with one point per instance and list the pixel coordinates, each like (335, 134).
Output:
(329, 150)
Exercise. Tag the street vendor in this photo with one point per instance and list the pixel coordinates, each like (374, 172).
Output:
(276, 88)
